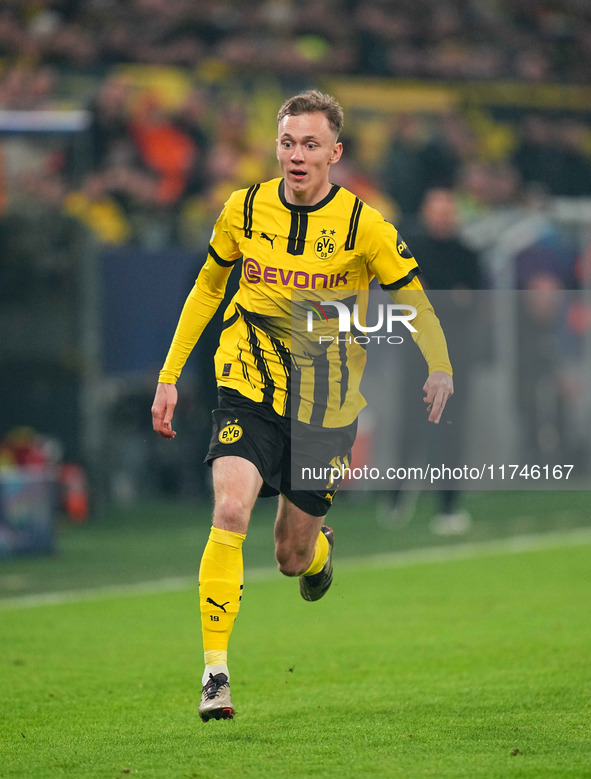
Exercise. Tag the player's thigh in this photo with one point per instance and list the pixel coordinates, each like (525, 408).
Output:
(236, 485)
(252, 431)
(296, 531)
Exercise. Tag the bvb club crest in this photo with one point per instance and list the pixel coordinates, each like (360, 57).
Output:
(324, 246)
(230, 433)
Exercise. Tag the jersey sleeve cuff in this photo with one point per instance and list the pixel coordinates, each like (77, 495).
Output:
(444, 367)
(404, 280)
(166, 377)
(220, 261)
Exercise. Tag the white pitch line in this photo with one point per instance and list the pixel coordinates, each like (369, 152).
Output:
(473, 549)
(173, 584)
(428, 555)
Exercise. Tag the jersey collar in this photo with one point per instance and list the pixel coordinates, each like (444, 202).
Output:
(306, 209)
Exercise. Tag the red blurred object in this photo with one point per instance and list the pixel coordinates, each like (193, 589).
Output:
(579, 318)
(27, 448)
(166, 149)
(74, 492)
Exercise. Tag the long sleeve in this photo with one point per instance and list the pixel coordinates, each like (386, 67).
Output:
(207, 294)
(429, 336)
(391, 261)
(200, 306)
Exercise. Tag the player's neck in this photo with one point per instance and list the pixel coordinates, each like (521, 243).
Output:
(295, 198)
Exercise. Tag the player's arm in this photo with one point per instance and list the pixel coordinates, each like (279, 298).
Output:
(200, 306)
(430, 339)
(397, 270)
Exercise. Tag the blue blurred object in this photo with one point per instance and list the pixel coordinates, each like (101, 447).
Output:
(27, 511)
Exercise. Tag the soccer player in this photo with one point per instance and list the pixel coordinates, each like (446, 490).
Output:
(296, 232)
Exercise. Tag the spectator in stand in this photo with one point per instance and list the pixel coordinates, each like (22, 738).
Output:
(190, 120)
(446, 262)
(533, 65)
(576, 164)
(447, 265)
(453, 39)
(94, 206)
(45, 238)
(349, 174)
(167, 152)
(547, 351)
(505, 185)
(119, 180)
(376, 27)
(552, 153)
(108, 133)
(537, 158)
(416, 160)
(26, 88)
(474, 190)
(234, 158)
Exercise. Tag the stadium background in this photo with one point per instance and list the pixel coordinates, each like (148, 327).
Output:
(124, 125)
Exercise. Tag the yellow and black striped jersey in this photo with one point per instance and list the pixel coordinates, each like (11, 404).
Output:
(330, 250)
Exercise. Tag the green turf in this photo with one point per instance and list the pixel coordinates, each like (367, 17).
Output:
(165, 539)
(467, 668)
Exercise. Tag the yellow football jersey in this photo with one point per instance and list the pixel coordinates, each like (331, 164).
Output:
(327, 251)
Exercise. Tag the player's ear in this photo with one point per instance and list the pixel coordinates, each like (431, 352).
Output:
(336, 153)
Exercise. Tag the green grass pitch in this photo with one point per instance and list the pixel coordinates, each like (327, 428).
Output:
(474, 667)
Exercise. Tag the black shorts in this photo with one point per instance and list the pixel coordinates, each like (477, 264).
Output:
(276, 445)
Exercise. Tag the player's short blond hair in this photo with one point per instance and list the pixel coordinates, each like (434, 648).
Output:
(313, 101)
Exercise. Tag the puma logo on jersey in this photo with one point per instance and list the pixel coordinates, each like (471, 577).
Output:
(266, 237)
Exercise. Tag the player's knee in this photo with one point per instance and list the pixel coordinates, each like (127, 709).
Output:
(231, 513)
(290, 561)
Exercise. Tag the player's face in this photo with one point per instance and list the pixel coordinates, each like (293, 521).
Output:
(306, 148)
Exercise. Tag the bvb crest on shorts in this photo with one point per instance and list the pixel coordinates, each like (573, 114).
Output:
(230, 433)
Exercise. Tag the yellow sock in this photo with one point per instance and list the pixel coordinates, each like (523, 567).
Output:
(221, 577)
(320, 555)
(215, 657)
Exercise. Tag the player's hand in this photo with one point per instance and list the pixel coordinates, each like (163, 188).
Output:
(163, 408)
(438, 388)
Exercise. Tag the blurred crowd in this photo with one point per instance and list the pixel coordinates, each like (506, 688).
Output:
(459, 39)
(156, 168)
(158, 172)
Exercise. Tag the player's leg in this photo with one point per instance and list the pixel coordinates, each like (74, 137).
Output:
(303, 543)
(303, 547)
(236, 484)
(296, 537)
